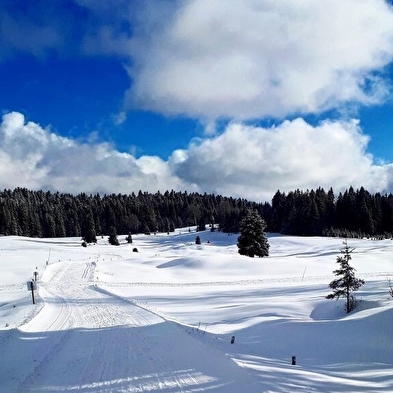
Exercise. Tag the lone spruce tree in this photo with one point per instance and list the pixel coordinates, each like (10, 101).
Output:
(252, 240)
(347, 282)
(113, 237)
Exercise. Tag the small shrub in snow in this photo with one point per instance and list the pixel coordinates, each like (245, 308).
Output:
(129, 238)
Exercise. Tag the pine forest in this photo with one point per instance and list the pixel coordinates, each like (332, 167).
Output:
(353, 213)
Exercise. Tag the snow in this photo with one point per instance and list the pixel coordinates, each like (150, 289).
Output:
(108, 319)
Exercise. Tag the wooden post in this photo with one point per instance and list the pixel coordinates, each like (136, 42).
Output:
(32, 291)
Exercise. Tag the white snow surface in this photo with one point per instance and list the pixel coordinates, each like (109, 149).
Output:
(108, 319)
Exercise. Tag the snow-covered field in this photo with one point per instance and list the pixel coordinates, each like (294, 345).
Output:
(108, 319)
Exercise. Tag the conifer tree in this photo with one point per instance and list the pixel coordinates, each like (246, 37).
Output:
(89, 232)
(347, 282)
(252, 240)
(201, 224)
(113, 237)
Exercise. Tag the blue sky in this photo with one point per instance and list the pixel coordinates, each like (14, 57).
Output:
(78, 96)
(236, 98)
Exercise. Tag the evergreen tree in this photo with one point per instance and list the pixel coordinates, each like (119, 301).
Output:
(278, 206)
(145, 228)
(89, 231)
(201, 224)
(252, 240)
(129, 238)
(347, 282)
(113, 237)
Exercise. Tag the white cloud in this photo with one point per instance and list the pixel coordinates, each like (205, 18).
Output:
(244, 161)
(249, 59)
(212, 58)
(255, 162)
(33, 157)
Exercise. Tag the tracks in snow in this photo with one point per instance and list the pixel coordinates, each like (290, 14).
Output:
(87, 340)
(72, 303)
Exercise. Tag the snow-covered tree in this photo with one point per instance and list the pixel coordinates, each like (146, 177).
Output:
(346, 283)
(252, 240)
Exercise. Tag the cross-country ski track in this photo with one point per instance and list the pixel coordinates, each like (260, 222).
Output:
(92, 342)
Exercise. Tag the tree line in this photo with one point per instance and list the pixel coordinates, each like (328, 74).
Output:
(353, 213)
(45, 214)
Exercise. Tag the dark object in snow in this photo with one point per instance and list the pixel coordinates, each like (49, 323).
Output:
(293, 360)
(232, 339)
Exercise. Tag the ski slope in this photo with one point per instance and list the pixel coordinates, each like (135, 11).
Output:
(161, 320)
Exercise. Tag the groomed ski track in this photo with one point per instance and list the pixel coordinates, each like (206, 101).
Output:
(86, 340)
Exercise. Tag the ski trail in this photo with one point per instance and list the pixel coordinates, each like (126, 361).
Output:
(86, 340)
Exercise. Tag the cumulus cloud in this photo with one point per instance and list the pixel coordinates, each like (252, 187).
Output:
(33, 157)
(255, 162)
(221, 58)
(243, 161)
(249, 59)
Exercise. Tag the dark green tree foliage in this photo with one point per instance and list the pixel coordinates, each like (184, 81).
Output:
(252, 240)
(113, 240)
(354, 213)
(346, 283)
(129, 238)
(201, 224)
(44, 214)
(89, 231)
